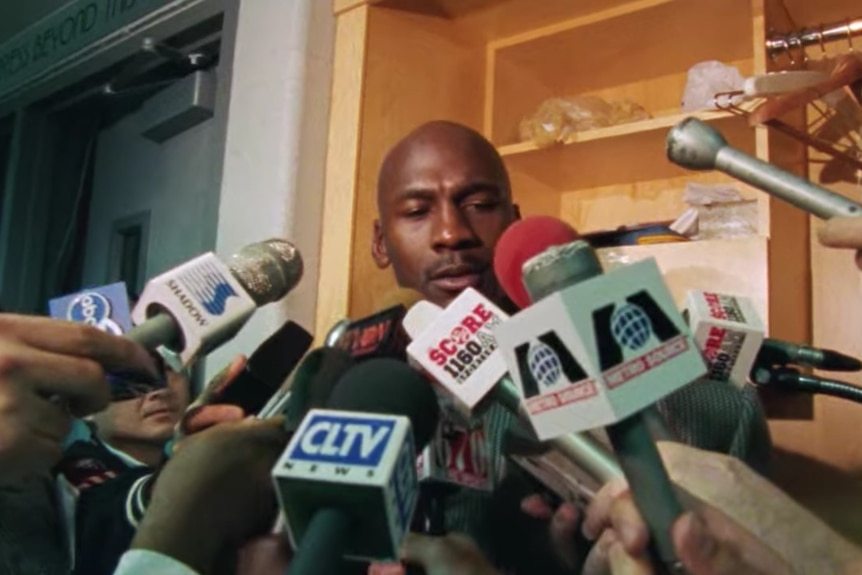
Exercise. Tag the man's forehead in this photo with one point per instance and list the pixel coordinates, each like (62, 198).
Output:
(451, 160)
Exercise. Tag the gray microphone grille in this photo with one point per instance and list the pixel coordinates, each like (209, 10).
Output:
(559, 267)
(268, 270)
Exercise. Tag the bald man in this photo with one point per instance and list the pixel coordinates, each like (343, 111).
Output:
(444, 200)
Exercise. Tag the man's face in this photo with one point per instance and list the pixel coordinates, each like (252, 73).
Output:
(147, 419)
(444, 202)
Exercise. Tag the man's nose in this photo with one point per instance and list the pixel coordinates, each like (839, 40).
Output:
(159, 394)
(452, 230)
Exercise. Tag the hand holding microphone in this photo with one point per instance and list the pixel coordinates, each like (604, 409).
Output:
(706, 541)
(50, 371)
(214, 494)
(595, 351)
(843, 233)
(347, 481)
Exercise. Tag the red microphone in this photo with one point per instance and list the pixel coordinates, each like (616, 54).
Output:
(521, 241)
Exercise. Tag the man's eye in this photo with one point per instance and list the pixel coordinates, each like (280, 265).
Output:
(415, 212)
(484, 206)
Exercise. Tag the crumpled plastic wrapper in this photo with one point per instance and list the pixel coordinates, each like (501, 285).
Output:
(613, 258)
(557, 119)
(718, 211)
(705, 80)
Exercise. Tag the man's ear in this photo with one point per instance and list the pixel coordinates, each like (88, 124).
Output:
(378, 247)
(516, 210)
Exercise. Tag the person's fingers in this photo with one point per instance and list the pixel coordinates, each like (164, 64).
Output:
(420, 549)
(386, 569)
(563, 528)
(844, 232)
(598, 514)
(697, 548)
(629, 525)
(205, 416)
(264, 555)
(536, 507)
(598, 559)
(112, 352)
(621, 563)
(78, 380)
(220, 381)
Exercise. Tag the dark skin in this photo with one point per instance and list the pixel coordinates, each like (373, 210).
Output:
(444, 200)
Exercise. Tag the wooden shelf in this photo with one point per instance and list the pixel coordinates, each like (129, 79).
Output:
(606, 156)
(622, 130)
(493, 20)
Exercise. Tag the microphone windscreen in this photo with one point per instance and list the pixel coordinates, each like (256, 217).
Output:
(267, 270)
(280, 353)
(391, 387)
(520, 242)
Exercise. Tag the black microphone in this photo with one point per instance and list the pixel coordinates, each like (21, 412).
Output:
(347, 481)
(265, 370)
(380, 334)
(777, 352)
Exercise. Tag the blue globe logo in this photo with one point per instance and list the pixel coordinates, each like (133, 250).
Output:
(631, 326)
(544, 364)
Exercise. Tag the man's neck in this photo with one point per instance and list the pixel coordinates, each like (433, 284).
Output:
(148, 453)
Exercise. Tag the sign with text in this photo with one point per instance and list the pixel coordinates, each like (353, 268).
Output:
(599, 351)
(63, 33)
(103, 307)
(728, 331)
(458, 348)
(362, 464)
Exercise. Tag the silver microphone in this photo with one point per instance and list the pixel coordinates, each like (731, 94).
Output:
(697, 146)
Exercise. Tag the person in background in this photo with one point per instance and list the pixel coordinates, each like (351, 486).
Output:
(109, 474)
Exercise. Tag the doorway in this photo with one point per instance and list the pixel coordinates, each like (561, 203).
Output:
(115, 177)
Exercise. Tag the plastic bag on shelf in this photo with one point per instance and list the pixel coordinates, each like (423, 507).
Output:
(721, 212)
(557, 119)
(625, 111)
(697, 194)
(705, 79)
(612, 258)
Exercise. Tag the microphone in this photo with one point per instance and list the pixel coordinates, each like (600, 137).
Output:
(729, 332)
(598, 350)
(264, 372)
(695, 145)
(197, 306)
(106, 308)
(520, 247)
(347, 480)
(463, 357)
(380, 335)
(336, 332)
(312, 383)
(777, 352)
